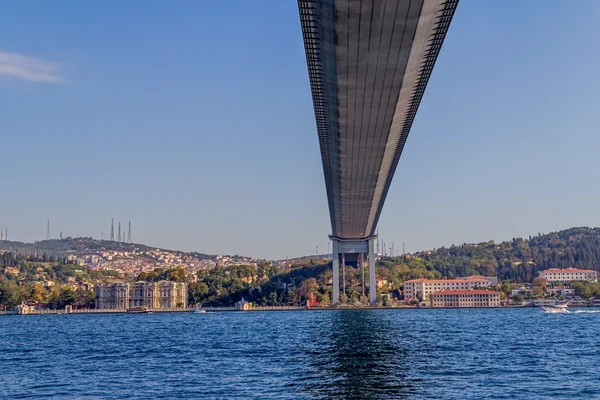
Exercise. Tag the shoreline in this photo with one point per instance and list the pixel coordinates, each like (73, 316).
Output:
(259, 309)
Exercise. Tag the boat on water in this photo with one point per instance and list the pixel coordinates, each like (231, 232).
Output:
(555, 309)
(143, 310)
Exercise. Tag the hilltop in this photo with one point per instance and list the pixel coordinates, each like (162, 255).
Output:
(83, 246)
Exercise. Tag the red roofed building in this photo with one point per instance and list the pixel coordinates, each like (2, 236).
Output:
(569, 274)
(428, 286)
(465, 298)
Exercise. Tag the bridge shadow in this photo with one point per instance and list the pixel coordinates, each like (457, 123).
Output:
(362, 358)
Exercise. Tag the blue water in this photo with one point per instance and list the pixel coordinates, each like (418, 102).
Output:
(377, 354)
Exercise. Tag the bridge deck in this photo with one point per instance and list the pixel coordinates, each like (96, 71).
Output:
(369, 63)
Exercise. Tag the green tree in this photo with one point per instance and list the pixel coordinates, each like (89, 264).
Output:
(177, 274)
(38, 293)
(197, 292)
(386, 301)
(63, 297)
(343, 299)
(9, 293)
(519, 299)
(582, 289)
(273, 299)
(323, 298)
(506, 287)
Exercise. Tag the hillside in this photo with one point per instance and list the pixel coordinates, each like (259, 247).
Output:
(519, 259)
(81, 246)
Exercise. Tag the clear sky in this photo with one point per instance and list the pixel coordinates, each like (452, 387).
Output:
(194, 120)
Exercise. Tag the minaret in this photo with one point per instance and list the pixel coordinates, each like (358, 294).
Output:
(112, 229)
(119, 231)
(48, 230)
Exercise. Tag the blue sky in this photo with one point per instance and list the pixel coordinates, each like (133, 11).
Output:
(194, 120)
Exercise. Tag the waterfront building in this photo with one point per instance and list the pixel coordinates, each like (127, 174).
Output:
(465, 298)
(561, 291)
(569, 274)
(162, 294)
(428, 286)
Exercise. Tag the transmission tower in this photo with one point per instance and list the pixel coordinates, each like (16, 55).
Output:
(129, 234)
(48, 230)
(112, 229)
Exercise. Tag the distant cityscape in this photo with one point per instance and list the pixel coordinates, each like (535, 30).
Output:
(91, 274)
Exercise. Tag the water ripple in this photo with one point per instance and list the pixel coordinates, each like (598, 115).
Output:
(379, 354)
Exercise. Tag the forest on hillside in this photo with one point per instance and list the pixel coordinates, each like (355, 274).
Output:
(518, 260)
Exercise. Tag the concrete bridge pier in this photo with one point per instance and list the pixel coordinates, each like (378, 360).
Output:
(353, 250)
(336, 273)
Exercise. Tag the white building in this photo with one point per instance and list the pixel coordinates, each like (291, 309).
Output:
(428, 286)
(465, 298)
(569, 274)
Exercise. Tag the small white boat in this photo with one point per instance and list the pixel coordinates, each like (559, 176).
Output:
(199, 310)
(556, 309)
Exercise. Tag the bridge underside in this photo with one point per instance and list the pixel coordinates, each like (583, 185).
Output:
(369, 62)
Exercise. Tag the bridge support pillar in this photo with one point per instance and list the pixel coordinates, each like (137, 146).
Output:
(335, 300)
(372, 280)
(353, 251)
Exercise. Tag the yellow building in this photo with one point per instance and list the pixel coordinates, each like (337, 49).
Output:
(162, 294)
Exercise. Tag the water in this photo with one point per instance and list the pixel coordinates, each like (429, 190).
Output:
(378, 354)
